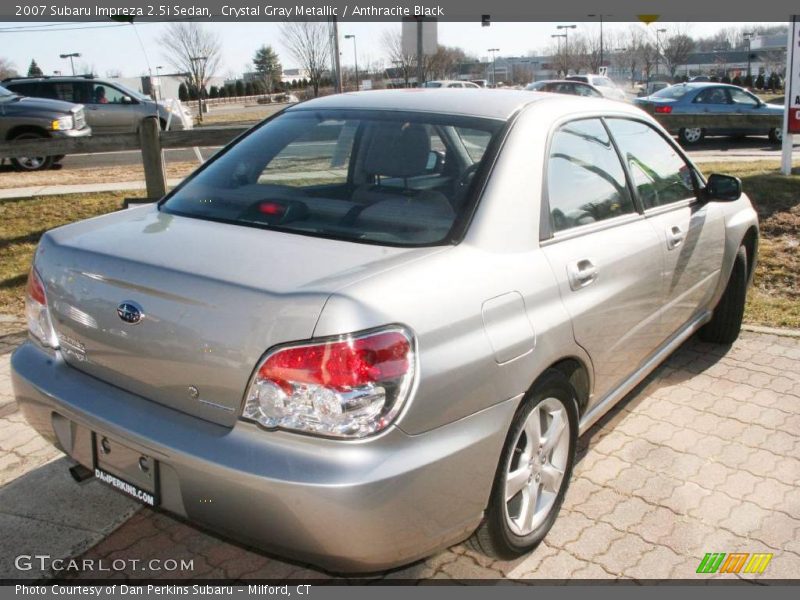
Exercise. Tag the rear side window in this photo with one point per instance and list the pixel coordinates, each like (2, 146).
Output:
(585, 180)
(24, 89)
(660, 174)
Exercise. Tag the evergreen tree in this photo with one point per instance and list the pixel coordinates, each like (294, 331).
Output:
(268, 66)
(34, 70)
(183, 92)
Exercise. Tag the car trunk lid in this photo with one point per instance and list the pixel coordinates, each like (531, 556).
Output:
(212, 299)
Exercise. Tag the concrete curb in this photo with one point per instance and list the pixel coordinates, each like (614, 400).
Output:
(785, 332)
(83, 188)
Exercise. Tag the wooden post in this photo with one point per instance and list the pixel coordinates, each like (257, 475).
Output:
(155, 172)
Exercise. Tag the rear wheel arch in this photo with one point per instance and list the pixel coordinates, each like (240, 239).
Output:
(578, 376)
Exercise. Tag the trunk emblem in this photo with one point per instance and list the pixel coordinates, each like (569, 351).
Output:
(194, 393)
(130, 312)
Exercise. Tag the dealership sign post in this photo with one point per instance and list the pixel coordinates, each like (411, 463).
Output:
(791, 117)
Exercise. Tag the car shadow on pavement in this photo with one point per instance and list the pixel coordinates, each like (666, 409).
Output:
(690, 359)
(45, 513)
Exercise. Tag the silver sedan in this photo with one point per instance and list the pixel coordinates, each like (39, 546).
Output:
(376, 324)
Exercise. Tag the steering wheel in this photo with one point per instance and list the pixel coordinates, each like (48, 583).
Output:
(462, 184)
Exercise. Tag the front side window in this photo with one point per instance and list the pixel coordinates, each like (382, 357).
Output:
(660, 174)
(585, 180)
(106, 94)
(367, 176)
(742, 98)
(712, 95)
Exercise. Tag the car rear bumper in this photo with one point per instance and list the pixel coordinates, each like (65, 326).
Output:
(356, 506)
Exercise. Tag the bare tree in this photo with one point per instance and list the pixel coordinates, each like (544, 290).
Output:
(648, 56)
(310, 44)
(676, 50)
(587, 51)
(392, 41)
(628, 56)
(7, 68)
(194, 50)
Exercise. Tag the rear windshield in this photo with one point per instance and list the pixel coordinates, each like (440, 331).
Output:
(367, 176)
(675, 91)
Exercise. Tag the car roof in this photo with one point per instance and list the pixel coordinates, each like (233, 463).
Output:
(570, 81)
(696, 85)
(484, 103)
(55, 78)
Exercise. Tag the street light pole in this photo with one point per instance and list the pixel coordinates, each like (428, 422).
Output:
(355, 56)
(601, 35)
(748, 35)
(70, 57)
(494, 68)
(558, 50)
(566, 29)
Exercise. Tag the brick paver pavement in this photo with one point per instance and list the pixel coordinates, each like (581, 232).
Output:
(704, 457)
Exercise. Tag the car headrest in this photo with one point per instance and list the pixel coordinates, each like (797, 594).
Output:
(398, 150)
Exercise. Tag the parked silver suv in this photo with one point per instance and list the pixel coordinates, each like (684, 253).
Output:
(110, 106)
(35, 118)
(379, 321)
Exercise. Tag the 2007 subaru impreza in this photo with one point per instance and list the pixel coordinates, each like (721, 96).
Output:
(378, 322)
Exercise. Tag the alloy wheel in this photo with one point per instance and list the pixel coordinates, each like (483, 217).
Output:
(692, 134)
(535, 471)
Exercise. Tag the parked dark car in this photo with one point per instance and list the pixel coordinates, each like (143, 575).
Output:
(560, 86)
(715, 98)
(24, 118)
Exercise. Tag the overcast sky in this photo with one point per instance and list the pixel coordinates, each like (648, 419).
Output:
(111, 47)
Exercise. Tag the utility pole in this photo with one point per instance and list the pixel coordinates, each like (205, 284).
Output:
(420, 55)
(337, 68)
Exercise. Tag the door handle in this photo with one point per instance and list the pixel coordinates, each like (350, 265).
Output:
(675, 237)
(581, 273)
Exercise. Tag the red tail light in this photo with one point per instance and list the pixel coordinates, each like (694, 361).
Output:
(664, 109)
(35, 289)
(38, 316)
(341, 365)
(351, 386)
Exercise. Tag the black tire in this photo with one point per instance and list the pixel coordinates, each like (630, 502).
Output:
(33, 163)
(494, 537)
(687, 136)
(725, 325)
(776, 135)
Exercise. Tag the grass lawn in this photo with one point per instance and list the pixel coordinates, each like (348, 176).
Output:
(23, 221)
(774, 300)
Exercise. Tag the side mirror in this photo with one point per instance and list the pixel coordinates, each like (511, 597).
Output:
(725, 188)
(435, 161)
(127, 100)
